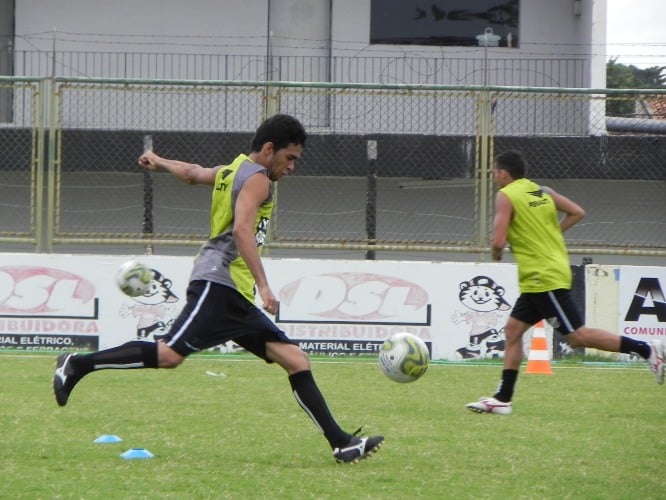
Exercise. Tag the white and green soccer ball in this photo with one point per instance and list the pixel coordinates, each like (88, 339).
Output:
(404, 357)
(133, 278)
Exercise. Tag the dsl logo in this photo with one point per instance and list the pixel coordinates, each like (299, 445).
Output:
(357, 297)
(43, 290)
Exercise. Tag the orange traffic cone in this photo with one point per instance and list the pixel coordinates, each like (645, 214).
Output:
(538, 360)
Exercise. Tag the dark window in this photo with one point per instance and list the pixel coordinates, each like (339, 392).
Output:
(444, 22)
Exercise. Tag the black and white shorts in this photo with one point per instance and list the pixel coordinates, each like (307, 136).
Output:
(556, 306)
(215, 314)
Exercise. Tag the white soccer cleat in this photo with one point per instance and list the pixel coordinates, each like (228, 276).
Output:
(490, 405)
(656, 360)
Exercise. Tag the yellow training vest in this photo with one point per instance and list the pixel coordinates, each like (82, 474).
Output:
(536, 239)
(219, 260)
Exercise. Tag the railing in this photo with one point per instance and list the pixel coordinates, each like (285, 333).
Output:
(534, 72)
(387, 167)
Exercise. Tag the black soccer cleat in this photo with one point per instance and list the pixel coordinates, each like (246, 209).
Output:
(357, 448)
(64, 379)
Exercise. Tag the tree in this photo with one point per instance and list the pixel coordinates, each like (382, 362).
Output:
(650, 78)
(620, 76)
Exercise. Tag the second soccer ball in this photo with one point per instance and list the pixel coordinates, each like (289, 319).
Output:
(133, 278)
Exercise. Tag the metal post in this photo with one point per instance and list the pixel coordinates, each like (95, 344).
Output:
(39, 163)
(371, 200)
(53, 54)
(271, 94)
(148, 198)
(484, 163)
(52, 204)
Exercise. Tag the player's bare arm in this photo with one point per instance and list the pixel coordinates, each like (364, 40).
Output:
(254, 192)
(503, 213)
(190, 173)
(573, 213)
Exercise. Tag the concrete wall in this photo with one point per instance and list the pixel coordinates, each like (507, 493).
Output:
(548, 29)
(196, 26)
(274, 40)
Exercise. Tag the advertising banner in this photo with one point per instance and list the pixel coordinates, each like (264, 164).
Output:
(642, 306)
(332, 307)
(71, 302)
(341, 308)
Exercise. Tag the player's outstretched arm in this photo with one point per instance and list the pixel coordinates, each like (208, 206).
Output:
(190, 173)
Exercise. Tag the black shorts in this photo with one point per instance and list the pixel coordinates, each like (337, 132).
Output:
(557, 307)
(215, 314)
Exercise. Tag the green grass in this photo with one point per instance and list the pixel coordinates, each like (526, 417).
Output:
(585, 432)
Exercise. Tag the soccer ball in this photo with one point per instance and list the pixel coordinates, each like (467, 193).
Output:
(133, 278)
(403, 357)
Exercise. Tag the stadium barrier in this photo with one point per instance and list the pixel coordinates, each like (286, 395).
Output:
(62, 302)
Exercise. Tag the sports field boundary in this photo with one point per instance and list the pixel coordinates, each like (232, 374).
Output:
(240, 357)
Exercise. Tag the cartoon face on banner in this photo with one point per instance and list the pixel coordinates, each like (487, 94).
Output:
(485, 314)
(153, 310)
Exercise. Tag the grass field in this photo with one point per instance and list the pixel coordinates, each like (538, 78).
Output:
(583, 433)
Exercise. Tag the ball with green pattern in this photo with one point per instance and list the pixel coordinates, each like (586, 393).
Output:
(133, 278)
(404, 357)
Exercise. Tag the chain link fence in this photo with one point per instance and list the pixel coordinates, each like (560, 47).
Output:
(21, 172)
(386, 167)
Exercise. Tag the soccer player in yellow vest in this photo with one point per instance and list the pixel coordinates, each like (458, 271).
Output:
(527, 218)
(220, 296)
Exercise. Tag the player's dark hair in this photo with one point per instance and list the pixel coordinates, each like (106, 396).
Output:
(513, 162)
(281, 130)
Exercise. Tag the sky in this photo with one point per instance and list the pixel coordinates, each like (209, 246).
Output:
(636, 32)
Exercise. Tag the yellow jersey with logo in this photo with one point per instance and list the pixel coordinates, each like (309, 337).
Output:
(218, 259)
(536, 239)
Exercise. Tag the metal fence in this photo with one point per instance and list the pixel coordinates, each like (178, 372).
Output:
(22, 160)
(386, 167)
(407, 69)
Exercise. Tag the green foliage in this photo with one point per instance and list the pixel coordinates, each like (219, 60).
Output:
(620, 76)
(581, 433)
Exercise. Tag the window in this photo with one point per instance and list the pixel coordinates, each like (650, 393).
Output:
(444, 22)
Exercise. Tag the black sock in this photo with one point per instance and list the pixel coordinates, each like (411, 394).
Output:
(629, 345)
(505, 390)
(309, 397)
(133, 354)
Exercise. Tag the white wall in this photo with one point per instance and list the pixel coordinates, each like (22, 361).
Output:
(548, 29)
(195, 26)
(193, 36)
